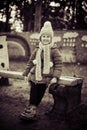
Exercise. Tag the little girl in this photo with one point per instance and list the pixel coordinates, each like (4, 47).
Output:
(44, 68)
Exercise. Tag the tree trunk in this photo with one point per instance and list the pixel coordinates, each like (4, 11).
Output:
(7, 29)
(30, 22)
(38, 9)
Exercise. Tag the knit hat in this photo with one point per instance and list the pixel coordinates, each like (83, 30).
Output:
(47, 29)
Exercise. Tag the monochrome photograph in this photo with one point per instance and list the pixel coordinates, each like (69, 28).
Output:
(43, 64)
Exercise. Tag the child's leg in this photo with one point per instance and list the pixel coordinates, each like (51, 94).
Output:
(33, 94)
(41, 88)
(30, 111)
(36, 93)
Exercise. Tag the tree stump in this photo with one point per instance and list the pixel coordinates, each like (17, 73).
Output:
(65, 98)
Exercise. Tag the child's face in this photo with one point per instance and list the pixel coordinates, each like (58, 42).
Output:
(46, 39)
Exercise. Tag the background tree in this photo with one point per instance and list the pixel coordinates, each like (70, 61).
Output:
(38, 15)
(29, 15)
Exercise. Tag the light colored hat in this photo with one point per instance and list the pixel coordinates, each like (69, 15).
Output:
(47, 29)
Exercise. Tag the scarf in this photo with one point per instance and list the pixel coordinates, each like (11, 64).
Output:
(47, 61)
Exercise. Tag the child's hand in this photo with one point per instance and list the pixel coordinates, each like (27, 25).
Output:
(53, 84)
(26, 78)
(53, 80)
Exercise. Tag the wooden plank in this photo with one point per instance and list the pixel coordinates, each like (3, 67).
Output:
(11, 74)
(64, 80)
(70, 81)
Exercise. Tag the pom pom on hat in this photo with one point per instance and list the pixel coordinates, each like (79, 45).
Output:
(47, 29)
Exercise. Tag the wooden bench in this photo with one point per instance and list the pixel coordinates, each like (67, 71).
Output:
(11, 74)
(64, 80)
(4, 75)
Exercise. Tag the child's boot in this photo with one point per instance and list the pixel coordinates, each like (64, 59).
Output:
(29, 113)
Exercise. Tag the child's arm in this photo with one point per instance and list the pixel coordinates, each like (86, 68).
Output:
(57, 61)
(53, 80)
(29, 64)
(57, 66)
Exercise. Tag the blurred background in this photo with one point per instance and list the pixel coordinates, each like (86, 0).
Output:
(29, 15)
